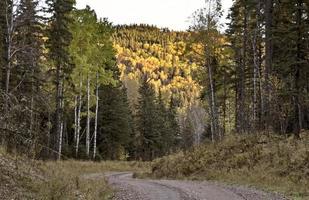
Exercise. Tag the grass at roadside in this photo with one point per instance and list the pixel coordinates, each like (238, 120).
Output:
(23, 178)
(271, 162)
(68, 179)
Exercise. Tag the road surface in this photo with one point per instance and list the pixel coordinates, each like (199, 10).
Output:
(129, 188)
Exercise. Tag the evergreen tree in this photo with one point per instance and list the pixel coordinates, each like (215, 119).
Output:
(27, 77)
(2, 43)
(290, 40)
(147, 122)
(3, 29)
(59, 42)
(114, 123)
(163, 127)
(173, 122)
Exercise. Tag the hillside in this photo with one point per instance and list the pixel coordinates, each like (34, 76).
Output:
(264, 161)
(162, 56)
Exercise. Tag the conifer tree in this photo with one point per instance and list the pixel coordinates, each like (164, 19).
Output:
(147, 121)
(114, 123)
(2, 61)
(59, 41)
(2, 42)
(27, 74)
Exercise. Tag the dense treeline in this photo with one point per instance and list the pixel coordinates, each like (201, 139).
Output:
(255, 74)
(55, 61)
(270, 43)
(61, 94)
(74, 86)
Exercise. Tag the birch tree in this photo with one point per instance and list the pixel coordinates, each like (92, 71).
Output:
(207, 24)
(93, 55)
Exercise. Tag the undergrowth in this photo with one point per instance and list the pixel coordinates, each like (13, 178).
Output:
(79, 180)
(267, 161)
(24, 178)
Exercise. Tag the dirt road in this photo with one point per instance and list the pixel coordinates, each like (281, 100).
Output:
(129, 188)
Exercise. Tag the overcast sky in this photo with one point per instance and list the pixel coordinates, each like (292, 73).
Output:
(173, 14)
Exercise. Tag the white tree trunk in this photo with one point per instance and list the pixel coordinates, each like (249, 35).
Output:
(88, 118)
(256, 68)
(61, 121)
(96, 118)
(212, 104)
(255, 76)
(75, 117)
(78, 117)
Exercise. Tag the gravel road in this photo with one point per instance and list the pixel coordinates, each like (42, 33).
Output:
(129, 188)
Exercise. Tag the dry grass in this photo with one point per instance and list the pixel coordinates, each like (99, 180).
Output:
(16, 176)
(267, 162)
(22, 178)
(71, 179)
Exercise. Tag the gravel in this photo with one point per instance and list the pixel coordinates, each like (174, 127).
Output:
(128, 188)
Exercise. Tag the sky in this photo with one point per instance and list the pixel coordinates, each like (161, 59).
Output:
(172, 14)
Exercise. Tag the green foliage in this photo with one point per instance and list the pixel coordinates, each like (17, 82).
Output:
(91, 49)
(157, 127)
(147, 122)
(115, 124)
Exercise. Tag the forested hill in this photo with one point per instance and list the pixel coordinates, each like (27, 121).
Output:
(162, 56)
(75, 86)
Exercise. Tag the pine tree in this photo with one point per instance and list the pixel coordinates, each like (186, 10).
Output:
(173, 122)
(147, 122)
(27, 75)
(114, 123)
(163, 127)
(59, 41)
(2, 61)
(3, 43)
(290, 40)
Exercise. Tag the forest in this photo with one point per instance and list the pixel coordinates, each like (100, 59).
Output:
(76, 86)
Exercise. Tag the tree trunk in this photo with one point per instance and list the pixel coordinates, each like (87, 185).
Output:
(9, 43)
(242, 121)
(268, 61)
(60, 118)
(88, 118)
(212, 100)
(96, 118)
(297, 103)
(255, 68)
(78, 117)
(75, 117)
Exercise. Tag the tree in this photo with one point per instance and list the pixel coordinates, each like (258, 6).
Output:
(59, 41)
(93, 55)
(268, 57)
(207, 24)
(290, 39)
(147, 122)
(114, 123)
(3, 60)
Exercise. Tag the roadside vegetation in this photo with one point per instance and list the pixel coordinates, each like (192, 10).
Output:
(268, 162)
(23, 178)
(79, 180)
